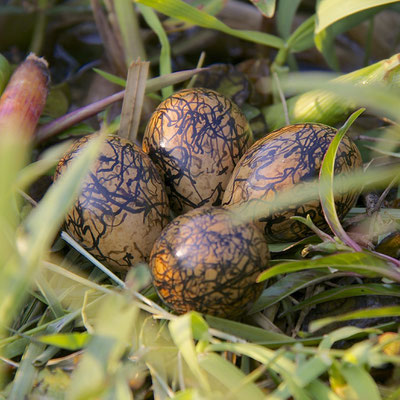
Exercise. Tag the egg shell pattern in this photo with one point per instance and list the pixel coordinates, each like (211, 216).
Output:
(204, 262)
(123, 206)
(195, 138)
(284, 158)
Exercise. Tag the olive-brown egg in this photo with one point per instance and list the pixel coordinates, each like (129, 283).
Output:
(287, 157)
(122, 207)
(195, 137)
(206, 262)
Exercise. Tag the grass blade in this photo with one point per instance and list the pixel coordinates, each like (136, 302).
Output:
(266, 7)
(330, 11)
(165, 56)
(326, 175)
(390, 311)
(183, 11)
(361, 263)
(287, 285)
(374, 289)
(69, 341)
(360, 381)
(182, 332)
(235, 381)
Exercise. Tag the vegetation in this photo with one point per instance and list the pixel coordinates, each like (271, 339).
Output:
(326, 324)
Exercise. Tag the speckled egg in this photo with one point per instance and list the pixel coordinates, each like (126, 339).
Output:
(205, 262)
(123, 206)
(287, 157)
(195, 138)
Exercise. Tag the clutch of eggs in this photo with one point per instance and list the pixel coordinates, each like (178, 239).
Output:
(122, 207)
(281, 160)
(195, 138)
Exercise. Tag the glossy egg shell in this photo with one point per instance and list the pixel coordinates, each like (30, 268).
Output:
(287, 157)
(195, 137)
(205, 262)
(123, 206)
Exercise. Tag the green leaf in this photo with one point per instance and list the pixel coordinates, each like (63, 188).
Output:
(250, 333)
(325, 40)
(329, 101)
(303, 37)
(38, 168)
(183, 330)
(267, 7)
(390, 311)
(287, 285)
(359, 262)
(274, 360)
(182, 11)
(69, 341)
(111, 77)
(321, 392)
(330, 11)
(285, 14)
(24, 379)
(305, 374)
(340, 334)
(5, 72)
(360, 381)
(326, 175)
(374, 289)
(128, 25)
(165, 56)
(235, 381)
(112, 333)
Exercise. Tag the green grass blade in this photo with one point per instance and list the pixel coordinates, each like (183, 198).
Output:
(112, 332)
(235, 381)
(182, 331)
(38, 168)
(272, 359)
(339, 334)
(360, 262)
(128, 24)
(183, 11)
(328, 98)
(26, 373)
(325, 40)
(287, 285)
(266, 7)
(303, 37)
(374, 289)
(5, 72)
(361, 382)
(390, 311)
(68, 341)
(165, 56)
(49, 294)
(285, 14)
(111, 77)
(326, 176)
(249, 332)
(308, 372)
(330, 11)
(321, 392)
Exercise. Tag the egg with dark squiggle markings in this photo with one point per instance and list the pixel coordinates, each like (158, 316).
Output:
(205, 261)
(195, 137)
(122, 207)
(286, 158)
